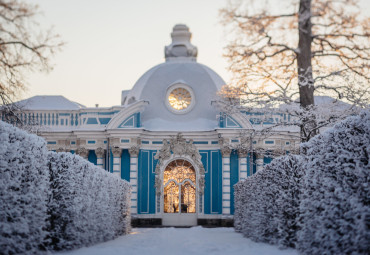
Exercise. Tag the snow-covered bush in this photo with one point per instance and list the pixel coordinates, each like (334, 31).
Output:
(87, 204)
(335, 207)
(54, 200)
(267, 203)
(24, 185)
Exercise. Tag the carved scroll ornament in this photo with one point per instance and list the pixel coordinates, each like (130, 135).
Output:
(179, 147)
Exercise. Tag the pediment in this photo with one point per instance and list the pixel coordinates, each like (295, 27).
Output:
(128, 117)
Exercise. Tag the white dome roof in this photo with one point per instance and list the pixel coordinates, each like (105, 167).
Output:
(178, 71)
(153, 87)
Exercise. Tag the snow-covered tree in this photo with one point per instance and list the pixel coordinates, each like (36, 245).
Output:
(24, 189)
(287, 52)
(335, 207)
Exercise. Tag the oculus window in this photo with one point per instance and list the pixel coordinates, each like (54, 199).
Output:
(180, 98)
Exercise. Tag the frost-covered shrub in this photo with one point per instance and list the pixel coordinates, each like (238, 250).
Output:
(250, 212)
(87, 204)
(267, 203)
(335, 204)
(24, 185)
(57, 200)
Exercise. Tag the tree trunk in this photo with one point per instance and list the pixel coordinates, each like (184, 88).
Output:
(305, 79)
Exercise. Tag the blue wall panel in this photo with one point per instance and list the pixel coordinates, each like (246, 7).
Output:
(146, 179)
(216, 182)
(125, 165)
(92, 157)
(105, 162)
(143, 182)
(249, 172)
(111, 161)
(234, 176)
(207, 189)
(212, 163)
(254, 163)
(268, 158)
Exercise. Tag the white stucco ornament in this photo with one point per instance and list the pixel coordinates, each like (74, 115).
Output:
(181, 46)
(180, 149)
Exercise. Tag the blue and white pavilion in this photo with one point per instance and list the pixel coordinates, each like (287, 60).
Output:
(167, 138)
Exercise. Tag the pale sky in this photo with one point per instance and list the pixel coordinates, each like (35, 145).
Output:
(111, 43)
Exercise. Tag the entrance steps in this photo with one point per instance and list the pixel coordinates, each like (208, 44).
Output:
(157, 223)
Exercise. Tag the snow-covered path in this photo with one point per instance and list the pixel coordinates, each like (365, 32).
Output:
(178, 241)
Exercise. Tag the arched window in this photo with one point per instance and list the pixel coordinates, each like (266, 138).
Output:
(179, 180)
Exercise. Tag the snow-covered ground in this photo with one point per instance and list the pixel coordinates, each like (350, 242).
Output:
(195, 240)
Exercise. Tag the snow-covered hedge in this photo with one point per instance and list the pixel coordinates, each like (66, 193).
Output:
(267, 203)
(87, 204)
(318, 202)
(54, 200)
(335, 205)
(24, 186)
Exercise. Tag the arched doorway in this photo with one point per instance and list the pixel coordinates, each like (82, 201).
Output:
(179, 194)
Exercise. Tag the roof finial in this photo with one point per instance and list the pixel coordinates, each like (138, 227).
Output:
(181, 48)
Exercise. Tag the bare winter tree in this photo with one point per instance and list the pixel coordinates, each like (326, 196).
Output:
(24, 48)
(287, 54)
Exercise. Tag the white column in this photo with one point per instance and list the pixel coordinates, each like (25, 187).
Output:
(243, 174)
(226, 151)
(100, 153)
(117, 152)
(259, 160)
(134, 152)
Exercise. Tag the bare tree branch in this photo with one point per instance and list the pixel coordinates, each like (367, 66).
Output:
(23, 48)
(272, 63)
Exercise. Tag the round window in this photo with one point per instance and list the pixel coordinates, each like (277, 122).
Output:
(180, 99)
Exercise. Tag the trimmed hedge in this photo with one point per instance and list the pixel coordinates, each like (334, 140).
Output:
(335, 206)
(87, 205)
(267, 203)
(24, 185)
(318, 202)
(55, 201)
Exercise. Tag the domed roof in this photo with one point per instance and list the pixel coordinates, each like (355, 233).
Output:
(180, 78)
(179, 71)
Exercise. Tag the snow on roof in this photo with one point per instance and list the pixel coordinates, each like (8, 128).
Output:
(48, 103)
(323, 101)
(163, 75)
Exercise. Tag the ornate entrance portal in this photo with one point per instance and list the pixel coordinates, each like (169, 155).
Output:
(179, 204)
(179, 181)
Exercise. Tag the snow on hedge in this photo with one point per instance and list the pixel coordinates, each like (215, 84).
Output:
(267, 203)
(318, 202)
(335, 204)
(87, 204)
(54, 200)
(24, 185)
